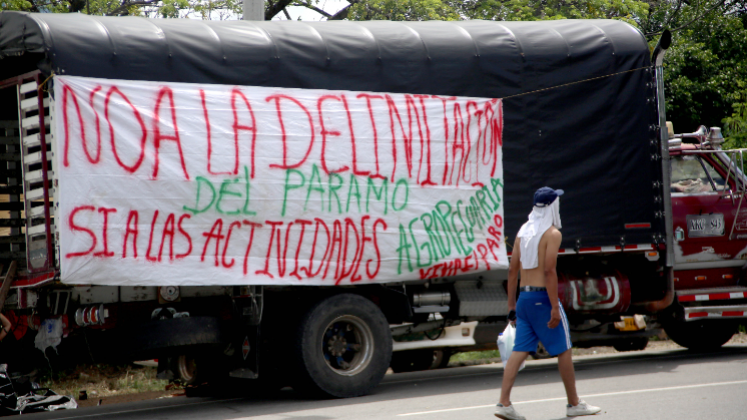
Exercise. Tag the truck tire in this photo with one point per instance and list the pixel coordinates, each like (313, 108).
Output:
(195, 367)
(631, 344)
(700, 335)
(342, 349)
(441, 358)
(541, 353)
(186, 368)
(412, 360)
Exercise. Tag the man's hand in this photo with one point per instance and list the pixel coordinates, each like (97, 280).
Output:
(512, 316)
(554, 317)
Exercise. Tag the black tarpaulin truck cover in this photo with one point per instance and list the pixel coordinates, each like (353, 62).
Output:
(590, 135)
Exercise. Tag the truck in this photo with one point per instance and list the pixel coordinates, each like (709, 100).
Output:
(288, 202)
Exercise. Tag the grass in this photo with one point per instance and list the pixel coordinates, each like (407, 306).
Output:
(103, 380)
(474, 355)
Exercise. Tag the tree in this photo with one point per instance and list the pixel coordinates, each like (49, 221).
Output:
(402, 10)
(735, 125)
(707, 63)
(150, 8)
(631, 11)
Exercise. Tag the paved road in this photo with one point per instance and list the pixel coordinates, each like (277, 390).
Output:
(656, 385)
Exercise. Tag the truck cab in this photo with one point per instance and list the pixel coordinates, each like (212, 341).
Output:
(709, 218)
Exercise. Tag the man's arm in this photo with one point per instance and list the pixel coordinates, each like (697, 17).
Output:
(551, 275)
(6, 327)
(513, 274)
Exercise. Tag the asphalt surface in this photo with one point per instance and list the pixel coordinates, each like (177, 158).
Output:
(671, 384)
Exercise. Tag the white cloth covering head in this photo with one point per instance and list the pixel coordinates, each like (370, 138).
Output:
(540, 219)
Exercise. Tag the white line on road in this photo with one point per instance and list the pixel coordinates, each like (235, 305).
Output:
(635, 391)
(530, 368)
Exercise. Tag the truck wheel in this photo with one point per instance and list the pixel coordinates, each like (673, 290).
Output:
(193, 368)
(541, 353)
(184, 367)
(441, 358)
(631, 344)
(700, 335)
(342, 349)
(412, 360)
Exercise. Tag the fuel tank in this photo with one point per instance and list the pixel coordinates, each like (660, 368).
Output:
(606, 293)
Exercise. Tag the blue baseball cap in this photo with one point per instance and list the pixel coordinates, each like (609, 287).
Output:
(545, 196)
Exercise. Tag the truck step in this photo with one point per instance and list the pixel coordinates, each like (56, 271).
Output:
(36, 157)
(38, 211)
(32, 104)
(696, 313)
(715, 293)
(36, 230)
(28, 87)
(31, 123)
(37, 176)
(37, 194)
(34, 140)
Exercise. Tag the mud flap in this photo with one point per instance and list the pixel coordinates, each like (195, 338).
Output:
(247, 354)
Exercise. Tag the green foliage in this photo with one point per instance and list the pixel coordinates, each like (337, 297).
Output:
(705, 67)
(206, 9)
(630, 11)
(402, 10)
(735, 125)
(475, 355)
(222, 10)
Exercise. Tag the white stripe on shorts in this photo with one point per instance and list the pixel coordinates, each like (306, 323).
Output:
(565, 327)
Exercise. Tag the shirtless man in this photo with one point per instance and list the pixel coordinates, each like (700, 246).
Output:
(538, 313)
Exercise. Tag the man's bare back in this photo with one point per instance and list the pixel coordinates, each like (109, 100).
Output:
(544, 275)
(550, 241)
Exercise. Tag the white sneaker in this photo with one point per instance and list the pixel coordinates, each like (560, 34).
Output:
(508, 413)
(582, 409)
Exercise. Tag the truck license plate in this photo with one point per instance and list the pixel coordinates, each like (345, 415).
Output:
(704, 225)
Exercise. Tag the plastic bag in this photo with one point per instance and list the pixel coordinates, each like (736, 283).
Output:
(506, 344)
(20, 395)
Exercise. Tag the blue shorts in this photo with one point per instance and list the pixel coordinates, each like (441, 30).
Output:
(532, 315)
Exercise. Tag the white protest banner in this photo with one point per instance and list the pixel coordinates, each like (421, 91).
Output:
(185, 184)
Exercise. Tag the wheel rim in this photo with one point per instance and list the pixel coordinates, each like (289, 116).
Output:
(438, 356)
(187, 368)
(541, 352)
(347, 345)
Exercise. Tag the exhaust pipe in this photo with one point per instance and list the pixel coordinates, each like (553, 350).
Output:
(661, 48)
(658, 58)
